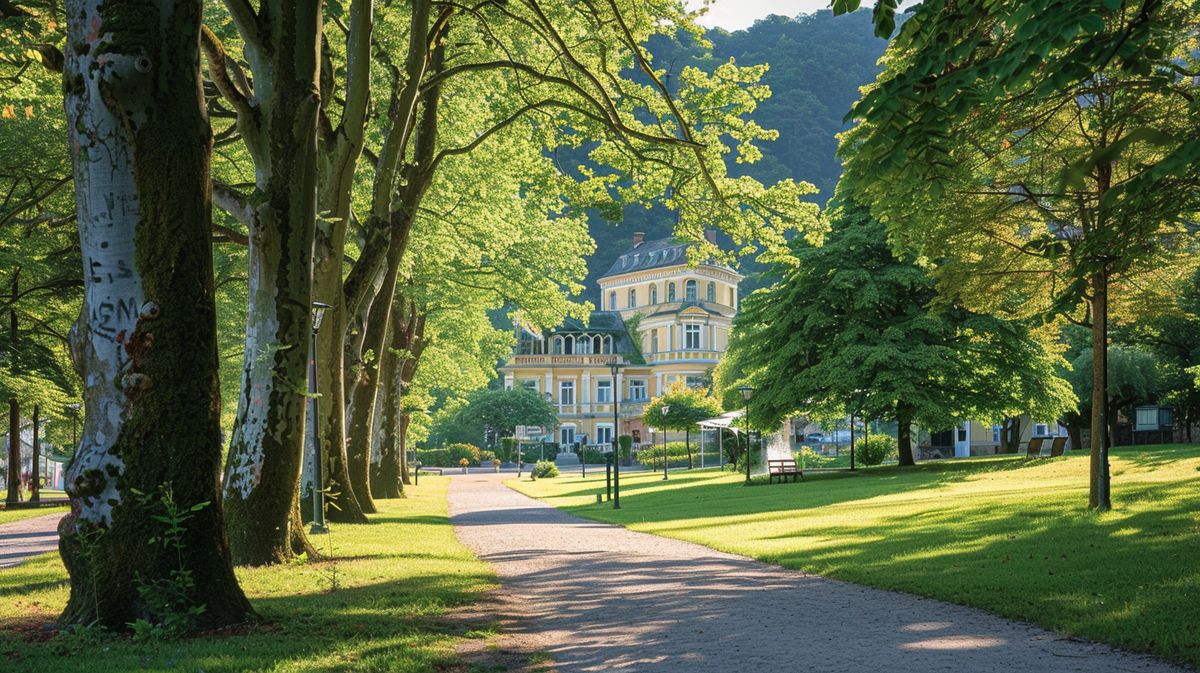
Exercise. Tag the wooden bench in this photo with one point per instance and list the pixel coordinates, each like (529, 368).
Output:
(783, 469)
(1034, 450)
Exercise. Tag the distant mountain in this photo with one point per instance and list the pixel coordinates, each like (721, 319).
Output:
(818, 62)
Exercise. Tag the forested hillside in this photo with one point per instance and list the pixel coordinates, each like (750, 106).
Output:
(817, 61)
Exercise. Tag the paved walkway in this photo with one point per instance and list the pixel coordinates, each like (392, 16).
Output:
(600, 598)
(28, 537)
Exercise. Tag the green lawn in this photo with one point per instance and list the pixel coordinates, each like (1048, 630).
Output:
(1011, 537)
(398, 579)
(11, 515)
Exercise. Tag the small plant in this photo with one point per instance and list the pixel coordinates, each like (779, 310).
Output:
(464, 462)
(331, 569)
(544, 469)
(876, 449)
(171, 613)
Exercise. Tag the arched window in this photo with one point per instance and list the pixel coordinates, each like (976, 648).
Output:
(712, 292)
(597, 344)
(556, 345)
(670, 292)
(653, 294)
(632, 297)
(689, 290)
(612, 301)
(654, 342)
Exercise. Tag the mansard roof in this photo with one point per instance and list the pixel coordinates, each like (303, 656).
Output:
(650, 255)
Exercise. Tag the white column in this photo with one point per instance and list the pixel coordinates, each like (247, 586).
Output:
(509, 380)
(658, 388)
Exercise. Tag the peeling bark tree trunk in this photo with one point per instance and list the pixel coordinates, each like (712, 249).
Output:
(145, 343)
(904, 421)
(279, 123)
(1099, 495)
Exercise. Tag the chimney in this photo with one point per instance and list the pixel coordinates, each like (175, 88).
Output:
(711, 235)
(638, 237)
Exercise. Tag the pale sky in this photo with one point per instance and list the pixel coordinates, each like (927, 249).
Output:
(738, 14)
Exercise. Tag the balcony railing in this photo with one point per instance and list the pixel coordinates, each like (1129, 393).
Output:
(577, 360)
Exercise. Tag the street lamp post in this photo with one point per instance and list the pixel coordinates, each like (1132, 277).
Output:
(318, 523)
(615, 366)
(747, 391)
(665, 410)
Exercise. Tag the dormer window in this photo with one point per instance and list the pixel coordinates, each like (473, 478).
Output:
(689, 290)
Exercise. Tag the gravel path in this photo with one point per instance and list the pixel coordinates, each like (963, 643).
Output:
(598, 597)
(28, 537)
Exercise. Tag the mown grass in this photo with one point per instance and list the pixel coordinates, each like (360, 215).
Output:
(11, 515)
(397, 580)
(999, 533)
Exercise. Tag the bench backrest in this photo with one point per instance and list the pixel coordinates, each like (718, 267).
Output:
(782, 464)
(1058, 446)
(1035, 446)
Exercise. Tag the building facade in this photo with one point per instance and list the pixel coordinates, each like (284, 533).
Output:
(667, 321)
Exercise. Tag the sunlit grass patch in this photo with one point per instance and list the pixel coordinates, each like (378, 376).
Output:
(1007, 535)
(397, 580)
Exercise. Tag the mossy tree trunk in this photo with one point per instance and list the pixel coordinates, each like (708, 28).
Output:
(145, 342)
(277, 117)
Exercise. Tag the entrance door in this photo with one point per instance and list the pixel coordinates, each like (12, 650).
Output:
(566, 436)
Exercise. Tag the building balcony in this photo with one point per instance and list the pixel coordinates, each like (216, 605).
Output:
(682, 356)
(590, 360)
(600, 409)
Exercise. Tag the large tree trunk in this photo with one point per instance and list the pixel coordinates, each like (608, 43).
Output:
(386, 481)
(1099, 496)
(1075, 432)
(13, 495)
(1010, 435)
(14, 452)
(359, 434)
(279, 123)
(145, 343)
(904, 420)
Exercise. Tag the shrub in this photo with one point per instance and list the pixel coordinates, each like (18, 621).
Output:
(544, 469)
(508, 448)
(625, 443)
(487, 457)
(651, 455)
(450, 456)
(875, 449)
(813, 459)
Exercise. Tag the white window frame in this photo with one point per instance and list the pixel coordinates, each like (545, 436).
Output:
(690, 330)
(562, 434)
(529, 384)
(691, 290)
(563, 388)
(632, 297)
(637, 390)
(603, 390)
(601, 429)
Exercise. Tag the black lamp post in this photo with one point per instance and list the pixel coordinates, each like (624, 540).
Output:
(74, 408)
(665, 410)
(615, 366)
(747, 391)
(318, 523)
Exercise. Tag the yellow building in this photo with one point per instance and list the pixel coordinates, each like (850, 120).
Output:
(669, 322)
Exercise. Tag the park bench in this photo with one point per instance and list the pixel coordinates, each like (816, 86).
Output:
(1058, 447)
(783, 469)
(1034, 450)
